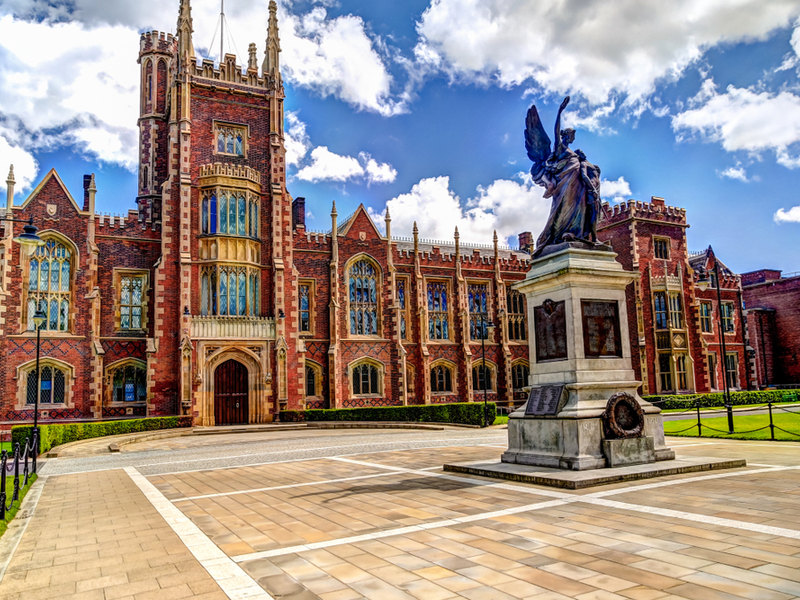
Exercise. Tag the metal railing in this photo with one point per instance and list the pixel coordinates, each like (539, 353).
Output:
(20, 455)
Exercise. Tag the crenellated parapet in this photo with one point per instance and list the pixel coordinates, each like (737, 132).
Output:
(655, 210)
(157, 42)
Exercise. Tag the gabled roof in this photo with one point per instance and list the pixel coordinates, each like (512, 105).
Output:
(702, 260)
(53, 174)
(345, 226)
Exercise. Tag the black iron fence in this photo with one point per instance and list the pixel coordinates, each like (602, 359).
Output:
(21, 457)
(739, 412)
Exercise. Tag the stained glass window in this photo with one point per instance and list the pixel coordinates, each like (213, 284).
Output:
(438, 315)
(129, 384)
(441, 379)
(363, 299)
(49, 285)
(131, 301)
(517, 325)
(52, 386)
(305, 307)
(478, 315)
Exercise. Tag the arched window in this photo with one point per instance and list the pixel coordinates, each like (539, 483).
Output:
(49, 285)
(519, 375)
(128, 383)
(313, 380)
(363, 298)
(52, 388)
(482, 378)
(366, 380)
(52, 384)
(238, 146)
(204, 213)
(441, 379)
(242, 215)
(438, 311)
(517, 327)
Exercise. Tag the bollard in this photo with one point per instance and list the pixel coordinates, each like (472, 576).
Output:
(771, 424)
(699, 424)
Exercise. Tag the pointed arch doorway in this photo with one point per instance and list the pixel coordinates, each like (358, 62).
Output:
(231, 394)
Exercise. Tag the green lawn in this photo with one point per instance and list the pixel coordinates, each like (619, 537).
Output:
(500, 420)
(704, 408)
(744, 427)
(22, 492)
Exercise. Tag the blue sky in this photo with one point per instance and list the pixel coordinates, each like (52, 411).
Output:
(420, 105)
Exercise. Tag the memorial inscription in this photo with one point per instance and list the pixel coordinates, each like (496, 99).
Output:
(550, 326)
(544, 400)
(601, 334)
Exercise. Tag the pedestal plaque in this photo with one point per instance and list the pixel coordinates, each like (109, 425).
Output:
(601, 335)
(544, 401)
(550, 325)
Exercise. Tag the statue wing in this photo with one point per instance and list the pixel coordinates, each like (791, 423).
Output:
(537, 142)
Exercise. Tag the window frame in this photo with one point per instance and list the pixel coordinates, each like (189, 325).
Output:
(112, 369)
(666, 245)
(662, 374)
(404, 311)
(487, 365)
(733, 381)
(317, 369)
(517, 364)
(706, 320)
(234, 127)
(474, 316)
(449, 367)
(448, 288)
(212, 213)
(212, 306)
(22, 383)
(728, 319)
(118, 275)
(675, 314)
(711, 364)
(656, 312)
(371, 362)
(517, 321)
(378, 275)
(311, 284)
(27, 326)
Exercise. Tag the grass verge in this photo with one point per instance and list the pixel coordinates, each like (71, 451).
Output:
(10, 514)
(751, 427)
(500, 421)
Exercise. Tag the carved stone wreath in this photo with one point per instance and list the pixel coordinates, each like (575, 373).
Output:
(623, 417)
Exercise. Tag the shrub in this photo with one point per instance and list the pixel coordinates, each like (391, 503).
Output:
(717, 399)
(51, 435)
(468, 413)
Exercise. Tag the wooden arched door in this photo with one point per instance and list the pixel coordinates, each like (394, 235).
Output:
(230, 394)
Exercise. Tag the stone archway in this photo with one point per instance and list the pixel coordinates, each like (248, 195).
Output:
(256, 397)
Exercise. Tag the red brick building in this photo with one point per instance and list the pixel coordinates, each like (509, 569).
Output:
(212, 299)
(674, 325)
(773, 317)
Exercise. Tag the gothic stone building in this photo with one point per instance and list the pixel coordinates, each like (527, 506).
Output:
(674, 325)
(212, 299)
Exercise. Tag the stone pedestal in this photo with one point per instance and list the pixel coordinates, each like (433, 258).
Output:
(579, 351)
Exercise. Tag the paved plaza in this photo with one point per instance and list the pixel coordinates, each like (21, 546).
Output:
(352, 514)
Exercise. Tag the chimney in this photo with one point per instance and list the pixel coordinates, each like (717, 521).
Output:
(526, 242)
(299, 213)
(87, 182)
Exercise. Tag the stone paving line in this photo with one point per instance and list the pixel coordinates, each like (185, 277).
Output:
(118, 531)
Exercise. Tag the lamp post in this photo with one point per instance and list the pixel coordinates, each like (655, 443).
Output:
(702, 283)
(29, 241)
(485, 327)
(38, 320)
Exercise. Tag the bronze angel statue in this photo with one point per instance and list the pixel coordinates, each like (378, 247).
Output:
(568, 178)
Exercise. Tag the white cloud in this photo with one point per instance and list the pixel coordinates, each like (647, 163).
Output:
(337, 57)
(594, 48)
(618, 190)
(296, 139)
(329, 166)
(25, 168)
(79, 88)
(377, 172)
(788, 216)
(737, 173)
(742, 119)
(506, 206)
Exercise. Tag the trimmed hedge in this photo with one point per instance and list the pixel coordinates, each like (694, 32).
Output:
(717, 399)
(62, 433)
(468, 413)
